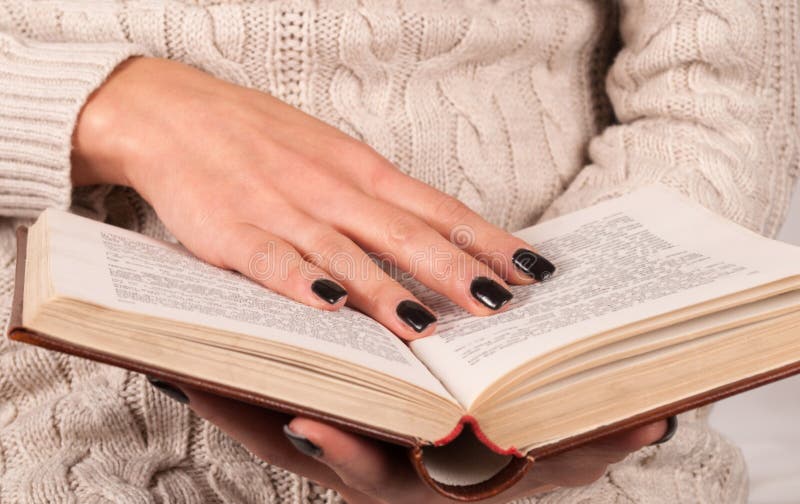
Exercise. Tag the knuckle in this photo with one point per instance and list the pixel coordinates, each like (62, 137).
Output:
(263, 260)
(332, 252)
(351, 148)
(402, 228)
(213, 217)
(208, 216)
(381, 175)
(377, 293)
(373, 299)
(358, 153)
(451, 211)
(297, 163)
(451, 269)
(379, 178)
(327, 243)
(214, 247)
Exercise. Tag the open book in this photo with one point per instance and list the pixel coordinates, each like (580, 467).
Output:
(658, 306)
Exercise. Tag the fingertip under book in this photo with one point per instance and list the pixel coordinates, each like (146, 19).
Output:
(168, 389)
(672, 428)
(302, 443)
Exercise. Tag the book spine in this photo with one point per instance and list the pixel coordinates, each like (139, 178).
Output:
(476, 429)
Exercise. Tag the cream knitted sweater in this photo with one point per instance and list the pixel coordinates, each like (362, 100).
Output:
(513, 106)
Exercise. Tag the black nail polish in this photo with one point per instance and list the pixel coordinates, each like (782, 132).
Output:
(169, 390)
(489, 292)
(329, 291)
(533, 265)
(415, 315)
(302, 443)
(672, 428)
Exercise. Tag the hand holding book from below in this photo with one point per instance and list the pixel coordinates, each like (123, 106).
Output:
(366, 471)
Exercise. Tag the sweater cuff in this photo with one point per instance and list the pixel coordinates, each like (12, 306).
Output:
(43, 87)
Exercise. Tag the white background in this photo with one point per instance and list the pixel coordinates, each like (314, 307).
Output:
(765, 423)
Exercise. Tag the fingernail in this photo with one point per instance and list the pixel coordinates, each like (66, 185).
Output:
(489, 292)
(328, 291)
(415, 315)
(302, 443)
(672, 428)
(533, 265)
(169, 390)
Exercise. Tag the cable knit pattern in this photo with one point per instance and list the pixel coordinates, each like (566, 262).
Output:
(707, 94)
(513, 106)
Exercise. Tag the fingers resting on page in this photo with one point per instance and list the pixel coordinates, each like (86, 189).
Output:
(249, 183)
(368, 471)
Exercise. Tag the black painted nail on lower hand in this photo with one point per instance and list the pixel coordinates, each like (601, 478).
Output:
(302, 443)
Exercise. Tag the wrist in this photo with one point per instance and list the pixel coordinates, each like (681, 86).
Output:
(104, 132)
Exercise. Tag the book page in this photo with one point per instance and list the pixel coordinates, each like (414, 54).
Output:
(126, 271)
(622, 261)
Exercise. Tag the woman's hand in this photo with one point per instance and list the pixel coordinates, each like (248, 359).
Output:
(249, 183)
(366, 471)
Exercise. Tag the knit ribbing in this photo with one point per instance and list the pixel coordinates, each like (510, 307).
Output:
(42, 88)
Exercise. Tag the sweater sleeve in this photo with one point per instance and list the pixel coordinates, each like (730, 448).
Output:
(43, 86)
(705, 94)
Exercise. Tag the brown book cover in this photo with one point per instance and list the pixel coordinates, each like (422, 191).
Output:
(507, 477)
